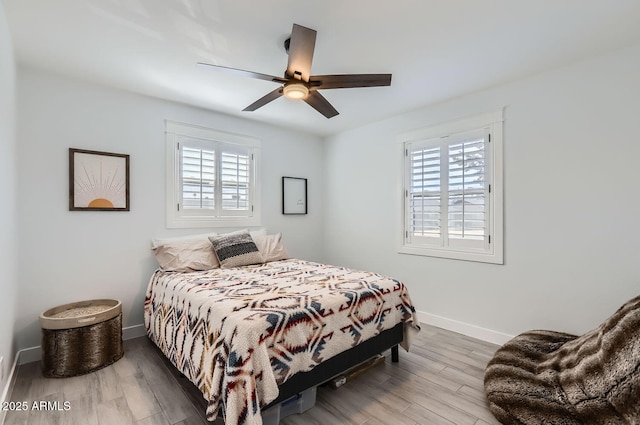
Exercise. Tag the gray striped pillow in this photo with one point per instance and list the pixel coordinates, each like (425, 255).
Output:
(236, 249)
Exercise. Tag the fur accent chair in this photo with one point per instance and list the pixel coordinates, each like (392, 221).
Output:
(546, 377)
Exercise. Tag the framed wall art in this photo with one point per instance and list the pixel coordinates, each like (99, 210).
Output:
(98, 181)
(294, 195)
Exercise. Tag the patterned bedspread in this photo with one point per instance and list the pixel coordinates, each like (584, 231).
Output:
(238, 333)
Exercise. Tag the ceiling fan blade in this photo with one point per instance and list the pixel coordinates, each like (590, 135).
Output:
(301, 46)
(264, 99)
(346, 81)
(320, 104)
(242, 72)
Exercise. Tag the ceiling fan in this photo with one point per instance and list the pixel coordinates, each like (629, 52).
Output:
(297, 81)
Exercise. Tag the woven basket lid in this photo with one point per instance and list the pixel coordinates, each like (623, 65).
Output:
(81, 313)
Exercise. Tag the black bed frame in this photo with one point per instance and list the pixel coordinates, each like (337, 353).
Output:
(388, 339)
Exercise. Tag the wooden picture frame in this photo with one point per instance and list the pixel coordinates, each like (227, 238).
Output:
(294, 195)
(98, 181)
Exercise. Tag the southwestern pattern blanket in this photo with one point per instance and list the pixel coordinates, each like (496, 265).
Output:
(239, 333)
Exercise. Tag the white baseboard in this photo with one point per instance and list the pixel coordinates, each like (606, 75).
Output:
(28, 355)
(134, 331)
(34, 354)
(8, 388)
(464, 328)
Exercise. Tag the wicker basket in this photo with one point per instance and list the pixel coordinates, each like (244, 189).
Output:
(81, 337)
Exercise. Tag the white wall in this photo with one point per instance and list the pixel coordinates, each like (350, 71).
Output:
(571, 198)
(572, 202)
(65, 256)
(8, 212)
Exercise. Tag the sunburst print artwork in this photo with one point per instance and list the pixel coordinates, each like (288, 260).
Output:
(98, 180)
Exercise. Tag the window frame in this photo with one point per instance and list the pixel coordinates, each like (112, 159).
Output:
(446, 134)
(177, 217)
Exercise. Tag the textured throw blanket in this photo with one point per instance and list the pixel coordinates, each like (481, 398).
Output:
(544, 377)
(238, 333)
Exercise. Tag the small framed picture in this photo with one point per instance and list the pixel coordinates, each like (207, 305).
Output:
(98, 181)
(294, 195)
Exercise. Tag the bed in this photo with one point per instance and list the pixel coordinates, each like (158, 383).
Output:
(249, 336)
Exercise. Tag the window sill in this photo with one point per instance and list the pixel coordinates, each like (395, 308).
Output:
(480, 257)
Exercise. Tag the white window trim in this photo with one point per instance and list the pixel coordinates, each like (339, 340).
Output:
(495, 253)
(174, 220)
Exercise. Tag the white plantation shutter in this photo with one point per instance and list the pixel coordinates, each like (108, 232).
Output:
(212, 177)
(447, 191)
(467, 189)
(215, 178)
(198, 176)
(449, 204)
(425, 192)
(234, 180)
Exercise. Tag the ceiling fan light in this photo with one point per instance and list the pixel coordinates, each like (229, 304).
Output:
(296, 91)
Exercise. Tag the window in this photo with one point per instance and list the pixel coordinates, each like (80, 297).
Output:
(211, 178)
(453, 190)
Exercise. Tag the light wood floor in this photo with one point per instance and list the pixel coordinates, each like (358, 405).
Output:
(440, 382)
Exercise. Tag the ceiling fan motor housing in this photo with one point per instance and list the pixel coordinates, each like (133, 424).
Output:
(295, 89)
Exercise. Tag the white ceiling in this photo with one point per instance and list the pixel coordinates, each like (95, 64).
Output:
(435, 49)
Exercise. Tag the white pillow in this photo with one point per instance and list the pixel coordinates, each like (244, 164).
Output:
(271, 247)
(185, 253)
